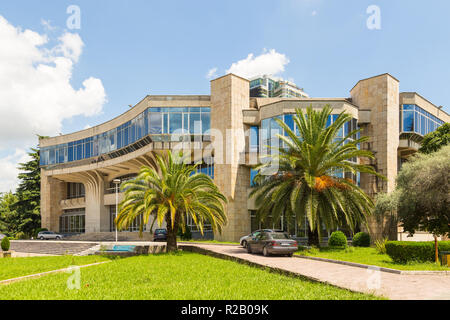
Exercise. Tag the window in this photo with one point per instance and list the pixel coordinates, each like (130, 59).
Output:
(72, 221)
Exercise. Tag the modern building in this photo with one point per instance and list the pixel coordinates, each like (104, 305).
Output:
(226, 131)
(269, 87)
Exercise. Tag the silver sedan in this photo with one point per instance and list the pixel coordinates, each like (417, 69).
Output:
(47, 235)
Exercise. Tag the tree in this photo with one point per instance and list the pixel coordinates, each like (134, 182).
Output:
(172, 193)
(306, 182)
(435, 140)
(9, 218)
(29, 195)
(423, 189)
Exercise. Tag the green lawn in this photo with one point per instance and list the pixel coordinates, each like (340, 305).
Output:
(368, 256)
(16, 267)
(175, 276)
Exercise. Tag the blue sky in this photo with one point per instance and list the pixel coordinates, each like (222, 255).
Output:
(145, 47)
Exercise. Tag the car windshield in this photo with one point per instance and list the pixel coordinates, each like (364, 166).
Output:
(279, 236)
(160, 231)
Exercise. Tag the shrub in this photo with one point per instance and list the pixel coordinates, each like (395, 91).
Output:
(21, 236)
(337, 239)
(380, 245)
(186, 235)
(5, 244)
(361, 239)
(410, 251)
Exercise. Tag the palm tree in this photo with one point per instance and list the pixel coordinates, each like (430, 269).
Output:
(306, 183)
(172, 193)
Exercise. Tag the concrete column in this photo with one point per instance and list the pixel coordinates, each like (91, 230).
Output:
(97, 214)
(52, 192)
(229, 95)
(380, 95)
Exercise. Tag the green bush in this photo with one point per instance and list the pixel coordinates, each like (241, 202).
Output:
(380, 245)
(5, 244)
(337, 239)
(361, 239)
(410, 251)
(186, 235)
(21, 236)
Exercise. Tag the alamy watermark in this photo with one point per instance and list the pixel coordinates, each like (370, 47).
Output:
(374, 20)
(74, 280)
(73, 22)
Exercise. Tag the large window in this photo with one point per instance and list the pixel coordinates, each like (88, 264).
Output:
(158, 122)
(414, 119)
(75, 190)
(134, 227)
(72, 221)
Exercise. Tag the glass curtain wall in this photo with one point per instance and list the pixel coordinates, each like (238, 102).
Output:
(414, 119)
(160, 123)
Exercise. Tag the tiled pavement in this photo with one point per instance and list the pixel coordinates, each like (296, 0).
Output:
(392, 286)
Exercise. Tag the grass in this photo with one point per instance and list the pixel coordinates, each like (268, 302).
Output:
(175, 276)
(16, 267)
(369, 256)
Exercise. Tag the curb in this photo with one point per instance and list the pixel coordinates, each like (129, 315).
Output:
(38, 275)
(195, 249)
(383, 269)
(209, 244)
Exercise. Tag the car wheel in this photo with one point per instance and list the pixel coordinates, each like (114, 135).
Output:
(41, 238)
(249, 249)
(244, 244)
(265, 252)
(58, 238)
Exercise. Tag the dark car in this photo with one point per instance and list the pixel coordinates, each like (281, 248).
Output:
(160, 235)
(244, 240)
(269, 243)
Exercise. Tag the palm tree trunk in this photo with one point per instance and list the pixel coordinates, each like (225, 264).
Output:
(172, 234)
(436, 250)
(313, 238)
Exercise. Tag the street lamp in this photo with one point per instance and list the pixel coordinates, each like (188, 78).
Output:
(117, 183)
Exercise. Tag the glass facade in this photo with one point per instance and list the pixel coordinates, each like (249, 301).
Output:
(270, 130)
(134, 227)
(160, 123)
(72, 221)
(414, 119)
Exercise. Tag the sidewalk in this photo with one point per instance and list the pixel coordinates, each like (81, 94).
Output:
(392, 286)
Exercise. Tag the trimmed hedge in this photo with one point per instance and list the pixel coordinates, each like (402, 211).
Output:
(337, 239)
(5, 244)
(406, 251)
(361, 239)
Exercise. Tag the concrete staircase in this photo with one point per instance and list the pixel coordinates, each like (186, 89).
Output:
(50, 247)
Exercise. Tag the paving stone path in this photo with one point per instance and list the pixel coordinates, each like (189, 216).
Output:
(392, 286)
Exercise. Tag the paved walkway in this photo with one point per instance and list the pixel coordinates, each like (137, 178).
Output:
(392, 286)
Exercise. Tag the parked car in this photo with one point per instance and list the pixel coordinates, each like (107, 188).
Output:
(160, 235)
(269, 243)
(244, 240)
(47, 235)
(2, 236)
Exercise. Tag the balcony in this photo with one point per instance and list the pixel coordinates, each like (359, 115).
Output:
(73, 203)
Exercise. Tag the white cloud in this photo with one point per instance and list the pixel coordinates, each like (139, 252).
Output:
(212, 73)
(314, 13)
(9, 171)
(35, 90)
(268, 63)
